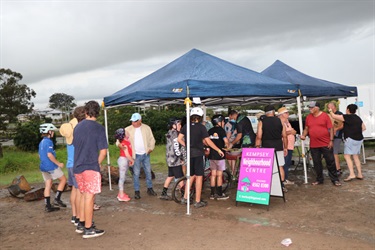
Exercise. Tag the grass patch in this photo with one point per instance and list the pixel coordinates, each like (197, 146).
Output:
(16, 162)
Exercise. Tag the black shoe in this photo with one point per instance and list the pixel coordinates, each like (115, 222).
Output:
(80, 228)
(151, 192)
(49, 209)
(137, 195)
(59, 203)
(92, 232)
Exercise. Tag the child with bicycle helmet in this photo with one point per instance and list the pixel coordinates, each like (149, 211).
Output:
(50, 168)
(124, 161)
(174, 155)
(217, 163)
(198, 135)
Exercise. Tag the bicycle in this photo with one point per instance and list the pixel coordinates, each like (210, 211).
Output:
(178, 189)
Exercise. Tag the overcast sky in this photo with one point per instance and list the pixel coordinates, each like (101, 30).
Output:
(91, 49)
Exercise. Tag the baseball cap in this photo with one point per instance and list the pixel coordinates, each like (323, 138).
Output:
(135, 117)
(269, 108)
(314, 104)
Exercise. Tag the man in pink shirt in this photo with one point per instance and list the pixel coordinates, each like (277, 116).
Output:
(319, 127)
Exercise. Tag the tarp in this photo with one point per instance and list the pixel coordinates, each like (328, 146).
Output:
(308, 85)
(198, 74)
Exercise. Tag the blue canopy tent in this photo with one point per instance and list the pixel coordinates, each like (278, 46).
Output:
(198, 74)
(308, 86)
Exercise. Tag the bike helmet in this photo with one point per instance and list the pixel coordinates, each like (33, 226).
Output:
(216, 119)
(120, 134)
(196, 111)
(172, 121)
(45, 127)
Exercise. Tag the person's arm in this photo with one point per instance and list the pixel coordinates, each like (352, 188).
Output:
(212, 145)
(285, 141)
(151, 141)
(305, 133)
(226, 141)
(54, 160)
(258, 140)
(102, 155)
(128, 156)
(181, 140)
(335, 116)
(363, 127)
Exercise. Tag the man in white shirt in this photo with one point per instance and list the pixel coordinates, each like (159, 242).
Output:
(143, 143)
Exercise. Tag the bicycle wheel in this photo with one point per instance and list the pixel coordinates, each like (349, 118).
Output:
(178, 189)
(227, 180)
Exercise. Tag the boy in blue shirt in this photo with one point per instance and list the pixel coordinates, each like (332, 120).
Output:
(50, 168)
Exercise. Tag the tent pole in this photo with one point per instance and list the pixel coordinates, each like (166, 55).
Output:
(301, 132)
(108, 158)
(187, 103)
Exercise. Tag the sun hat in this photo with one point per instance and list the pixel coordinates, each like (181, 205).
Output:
(135, 117)
(66, 130)
(282, 110)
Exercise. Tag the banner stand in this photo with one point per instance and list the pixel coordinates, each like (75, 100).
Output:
(259, 177)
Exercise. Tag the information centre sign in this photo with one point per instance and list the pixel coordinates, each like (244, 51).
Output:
(255, 178)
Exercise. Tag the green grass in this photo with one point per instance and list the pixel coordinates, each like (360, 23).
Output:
(16, 162)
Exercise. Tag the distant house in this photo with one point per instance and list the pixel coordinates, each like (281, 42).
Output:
(54, 114)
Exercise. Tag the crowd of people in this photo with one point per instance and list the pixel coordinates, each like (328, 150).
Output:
(87, 147)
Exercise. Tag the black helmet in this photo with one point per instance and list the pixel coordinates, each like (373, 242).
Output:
(216, 119)
(172, 121)
(120, 134)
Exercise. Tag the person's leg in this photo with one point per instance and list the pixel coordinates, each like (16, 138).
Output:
(73, 195)
(213, 181)
(47, 191)
(330, 162)
(358, 166)
(122, 172)
(88, 208)
(147, 168)
(349, 163)
(317, 160)
(136, 172)
(336, 148)
(288, 162)
(198, 188)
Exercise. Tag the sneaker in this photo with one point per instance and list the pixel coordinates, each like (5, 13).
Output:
(76, 222)
(123, 197)
(222, 197)
(165, 197)
(288, 182)
(200, 204)
(73, 219)
(80, 228)
(137, 195)
(212, 197)
(49, 209)
(151, 192)
(59, 203)
(92, 232)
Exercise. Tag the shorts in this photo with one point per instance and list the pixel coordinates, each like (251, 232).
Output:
(53, 174)
(336, 145)
(280, 158)
(89, 181)
(352, 147)
(175, 172)
(217, 165)
(71, 178)
(196, 166)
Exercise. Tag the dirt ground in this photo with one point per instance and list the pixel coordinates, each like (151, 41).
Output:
(313, 217)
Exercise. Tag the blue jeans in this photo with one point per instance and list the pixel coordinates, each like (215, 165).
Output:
(288, 162)
(145, 161)
(327, 154)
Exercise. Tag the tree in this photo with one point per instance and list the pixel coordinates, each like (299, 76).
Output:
(14, 97)
(62, 102)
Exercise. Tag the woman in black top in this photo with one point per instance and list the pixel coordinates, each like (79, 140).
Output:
(353, 128)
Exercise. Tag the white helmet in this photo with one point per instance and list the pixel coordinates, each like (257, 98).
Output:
(45, 127)
(196, 111)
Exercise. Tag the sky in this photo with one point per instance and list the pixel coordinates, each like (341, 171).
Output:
(91, 49)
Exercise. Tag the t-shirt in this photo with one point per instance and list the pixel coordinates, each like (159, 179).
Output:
(126, 143)
(70, 150)
(198, 132)
(291, 137)
(217, 135)
(45, 147)
(88, 139)
(353, 127)
(244, 126)
(231, 127)
(319, 130)
(173, 152)
(272, 129)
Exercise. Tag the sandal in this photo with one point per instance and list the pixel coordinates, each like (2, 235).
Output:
(316, 183)
(337, 183)
(349, 179)
(359, 178)
(96, 207)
